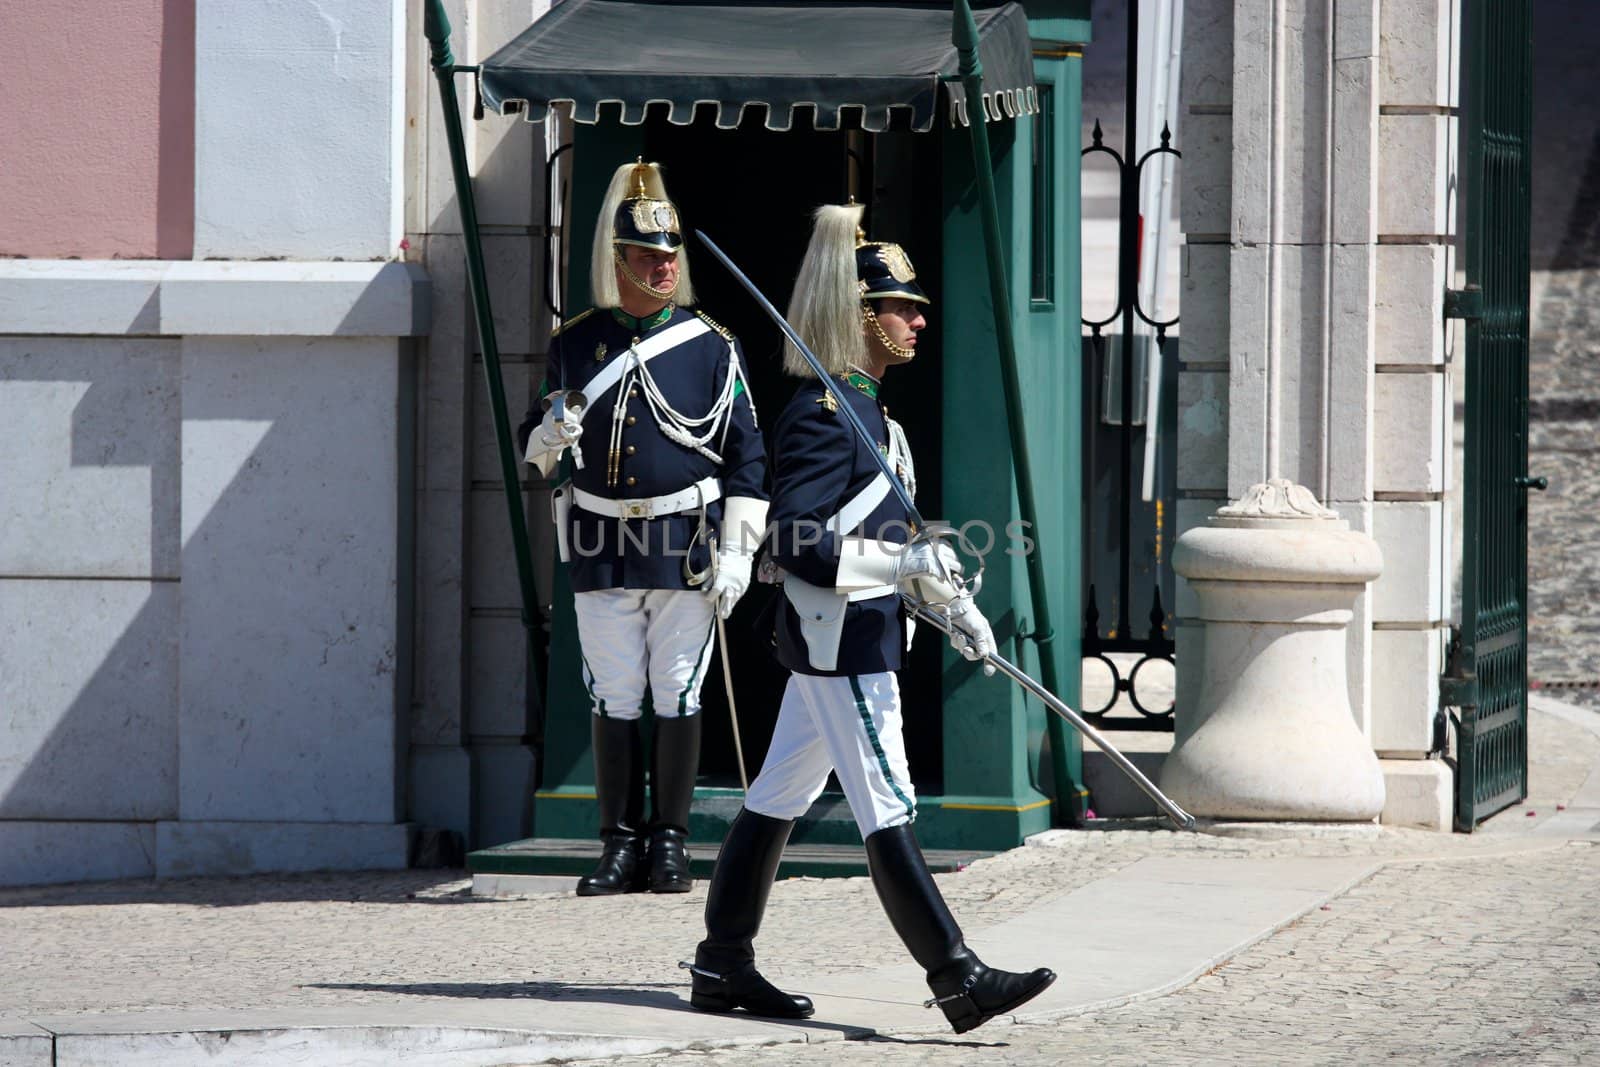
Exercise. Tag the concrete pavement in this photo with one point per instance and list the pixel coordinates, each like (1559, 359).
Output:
(408, 967)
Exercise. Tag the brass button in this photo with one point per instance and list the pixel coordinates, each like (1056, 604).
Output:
(632, 480)
(631, 420)
(632, 393)
(631, 450)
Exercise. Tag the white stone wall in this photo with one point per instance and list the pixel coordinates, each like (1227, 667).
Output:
(299, 128)
(1318, 165)
(206, 514)
(1417, 137)
(471, 768)
(202, 536)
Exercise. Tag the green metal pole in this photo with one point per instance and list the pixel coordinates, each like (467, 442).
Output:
(1068, 805)
(436, 26)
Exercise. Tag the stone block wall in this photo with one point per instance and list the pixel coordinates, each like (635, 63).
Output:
(1317, 207)
(202, 606)
(1418, 71)
(207, 512)
(472, 721)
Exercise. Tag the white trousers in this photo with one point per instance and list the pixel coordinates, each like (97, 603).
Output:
(638, 638)
(850, 725)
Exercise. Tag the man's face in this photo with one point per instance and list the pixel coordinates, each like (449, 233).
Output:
(658, 269)
(901, 321)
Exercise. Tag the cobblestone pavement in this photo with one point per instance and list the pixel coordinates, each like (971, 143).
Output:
(1564, 385)
(1564, 521)
(1564, 379)
(362, 939)
(1511, 933)
(1477, 962)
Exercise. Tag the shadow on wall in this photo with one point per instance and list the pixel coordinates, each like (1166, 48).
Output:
(90, 659)
(259, 687)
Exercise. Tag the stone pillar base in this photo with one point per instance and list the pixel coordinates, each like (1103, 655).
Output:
(1419, 793)
(1276, 576)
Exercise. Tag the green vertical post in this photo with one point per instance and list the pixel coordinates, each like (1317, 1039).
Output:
(436, 27)
(1068, 806)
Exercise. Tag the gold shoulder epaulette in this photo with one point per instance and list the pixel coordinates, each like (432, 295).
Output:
(572, 322)
(727, 335)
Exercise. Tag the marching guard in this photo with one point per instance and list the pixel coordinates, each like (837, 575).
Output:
(844, 546)
(659, 522)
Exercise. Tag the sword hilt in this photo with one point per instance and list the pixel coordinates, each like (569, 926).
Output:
(936, 533)
(1182, 818)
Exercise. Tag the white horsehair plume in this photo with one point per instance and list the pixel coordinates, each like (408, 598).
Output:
(826, 307)
(602, 267)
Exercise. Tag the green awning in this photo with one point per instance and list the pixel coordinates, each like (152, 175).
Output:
(614, 58)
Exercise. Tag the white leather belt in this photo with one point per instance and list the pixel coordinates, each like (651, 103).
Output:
(858, 507)
(673, 336)
(650, 507)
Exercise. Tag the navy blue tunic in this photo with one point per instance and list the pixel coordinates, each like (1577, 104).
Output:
(819, 464)
(611, 553)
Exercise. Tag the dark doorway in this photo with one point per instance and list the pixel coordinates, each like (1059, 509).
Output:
(752, 190)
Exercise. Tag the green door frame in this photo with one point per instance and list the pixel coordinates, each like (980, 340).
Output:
(997, 781)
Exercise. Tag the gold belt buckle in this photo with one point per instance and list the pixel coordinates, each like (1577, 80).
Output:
(635, 509)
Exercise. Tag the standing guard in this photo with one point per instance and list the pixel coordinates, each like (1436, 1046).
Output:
(660, 520)
(845, 548)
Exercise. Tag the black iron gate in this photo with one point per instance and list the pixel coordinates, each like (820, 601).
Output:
(1486, 676)
(1114, 422)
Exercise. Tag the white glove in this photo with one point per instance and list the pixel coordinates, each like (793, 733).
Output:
(970, 632)
(731, 580)
(919, 570)
(924, 571)
(744, 521)
(559, 434)
(550, 439)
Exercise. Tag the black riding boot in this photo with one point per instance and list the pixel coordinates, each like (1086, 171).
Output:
(619, 788)
(970, 993)
(675, 757)
(725, 975)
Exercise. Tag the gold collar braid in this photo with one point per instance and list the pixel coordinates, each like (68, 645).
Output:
(642, 285)
(870, 317)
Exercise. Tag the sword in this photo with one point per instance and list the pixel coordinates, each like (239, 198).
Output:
(922, 611)
(1184, 820)
(727, 681)
(722, 643)
(833, 387)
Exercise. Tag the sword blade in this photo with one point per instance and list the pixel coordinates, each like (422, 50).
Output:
(827, 380)
(733, 714)
(1184, 820)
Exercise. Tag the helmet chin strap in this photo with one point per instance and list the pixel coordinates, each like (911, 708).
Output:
(639, 283)
(870, 317)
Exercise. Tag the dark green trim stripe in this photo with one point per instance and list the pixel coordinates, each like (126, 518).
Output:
(699, 662)
(877, 746)
(599, 705)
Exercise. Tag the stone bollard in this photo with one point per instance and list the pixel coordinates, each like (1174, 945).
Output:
(1277, 575)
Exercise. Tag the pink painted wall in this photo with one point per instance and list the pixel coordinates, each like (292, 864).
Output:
(97, 129)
